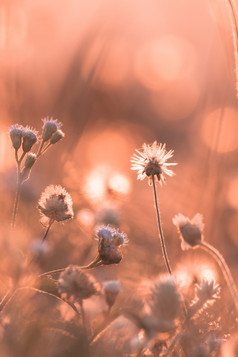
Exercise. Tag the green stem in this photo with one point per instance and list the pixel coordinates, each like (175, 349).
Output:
(224, 267)
(160, 228)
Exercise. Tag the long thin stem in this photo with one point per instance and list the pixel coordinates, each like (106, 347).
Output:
(160, 228)
(47, 231)
(224, 267)
(16, 202)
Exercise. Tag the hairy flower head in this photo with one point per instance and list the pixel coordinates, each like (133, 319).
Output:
(76, 285)
(152, 161)
(109, 241)
(55, 204)
(207, 290)
(50, 126)
(29, 138)
(190, 230)
(16, 133)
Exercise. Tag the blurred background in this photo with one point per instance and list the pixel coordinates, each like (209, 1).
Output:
(118, 74)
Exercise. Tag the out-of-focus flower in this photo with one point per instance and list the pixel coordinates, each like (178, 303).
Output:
(190, 230)
(76, 285)
(111, 290)
(56, 204)
(50, 126)
(152, 162)
(109, 241)
(16, 133)
(108, 214)
(57, 136)
(207, 290)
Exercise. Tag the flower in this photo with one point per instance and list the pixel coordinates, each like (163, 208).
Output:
(152, 162)
(190, 230)
(29, 138)
(49, 128)
(207, 290)
(76, 285)
(109, 239)
(57, 136)
(56, 204)
(111, 290)
(16, 132)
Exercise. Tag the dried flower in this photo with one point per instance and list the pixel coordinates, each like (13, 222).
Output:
(109, 239)
(30, 160)
(76, 285)
(152, 162)
(16, 132)
(207, 290)
(57, 136)
(190, 230)
(29, 138)
(56, 204)
(49, 128)
(165, 301)
(111, 290)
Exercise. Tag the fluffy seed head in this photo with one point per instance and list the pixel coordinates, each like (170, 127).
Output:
(55, 204)
(29, 138)
(207, 290)
(76, 285)
(109, 241)
(165, 301)
(57, 136)
(152, 161)
(49, 128)
(190, 230)
(111, 290)
(15, 133)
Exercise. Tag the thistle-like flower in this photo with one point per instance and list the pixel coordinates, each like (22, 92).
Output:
(16, 133)
(152, 162)
(55, 204)
(29, 138)
(190, 230)
(109, 241)
(49, 128)
(76, 285)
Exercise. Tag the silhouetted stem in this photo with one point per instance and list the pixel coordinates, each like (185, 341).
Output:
(47, 231)
(224, 267)
(160, 228)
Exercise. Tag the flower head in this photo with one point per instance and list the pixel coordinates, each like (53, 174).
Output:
(56, 204)
(29, 138)
(207, 290)
(57, 136)
(16, 133)
(109, 241)
(50, 127)
(190, 230)
(76, 285)
(111, 290)
(152, 162)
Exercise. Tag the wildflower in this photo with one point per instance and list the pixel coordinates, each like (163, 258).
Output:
(165, 301)
(29, 138)
(57, 136)
(111, 291)
(152, 162)
(76, 285)
(207, 290)
(109, 239)
(30, 160)
(190, 230)
(56, 204)
(16, 132)
(49, 128)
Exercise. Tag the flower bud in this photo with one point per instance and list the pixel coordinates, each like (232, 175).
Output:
(57, 136)
(29, 139)
(109, 253)
(111, 291)
(49, 128)
(30, 160)
(15, 133)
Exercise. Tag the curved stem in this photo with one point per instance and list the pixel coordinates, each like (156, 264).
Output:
(160, 228)
(224, 267)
